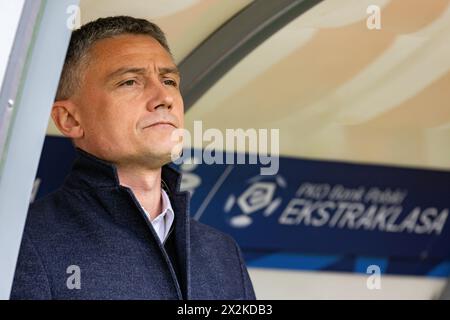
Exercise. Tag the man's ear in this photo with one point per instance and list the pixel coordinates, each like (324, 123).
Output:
(66, 118)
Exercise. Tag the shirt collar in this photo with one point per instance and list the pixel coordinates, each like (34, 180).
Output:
(163, 222)
(167, 210)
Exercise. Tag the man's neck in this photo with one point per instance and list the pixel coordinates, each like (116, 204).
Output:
(146, 186)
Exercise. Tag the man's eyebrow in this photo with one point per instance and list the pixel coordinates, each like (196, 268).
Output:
(167, 70)
(125, 70)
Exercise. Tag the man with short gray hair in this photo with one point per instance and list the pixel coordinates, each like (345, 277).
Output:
(119, 228)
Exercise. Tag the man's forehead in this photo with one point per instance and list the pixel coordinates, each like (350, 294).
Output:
(130, 53)
(129, 40)
(130, 47)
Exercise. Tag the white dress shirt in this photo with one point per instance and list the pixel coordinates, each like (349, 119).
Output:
(162, 223)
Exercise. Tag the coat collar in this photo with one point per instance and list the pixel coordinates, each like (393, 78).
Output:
(88, 171)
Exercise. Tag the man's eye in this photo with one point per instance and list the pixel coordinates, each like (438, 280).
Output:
(170, 82)
(128, 83)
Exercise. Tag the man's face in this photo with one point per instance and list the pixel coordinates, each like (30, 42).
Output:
(129, 101)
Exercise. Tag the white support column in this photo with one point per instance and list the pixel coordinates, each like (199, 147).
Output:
(29, 85)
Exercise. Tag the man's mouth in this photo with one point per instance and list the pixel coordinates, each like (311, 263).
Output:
(161, 124)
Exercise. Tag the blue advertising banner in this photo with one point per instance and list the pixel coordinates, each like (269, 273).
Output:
(313, 215)
(328, 207)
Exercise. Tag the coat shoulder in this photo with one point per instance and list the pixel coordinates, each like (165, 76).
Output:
(49, 215)
(209, 234)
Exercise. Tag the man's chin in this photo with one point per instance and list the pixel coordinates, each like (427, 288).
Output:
(156, 159)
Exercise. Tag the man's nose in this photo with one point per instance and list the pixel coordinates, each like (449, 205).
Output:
(159, 96)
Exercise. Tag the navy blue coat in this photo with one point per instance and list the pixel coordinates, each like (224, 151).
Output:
(96, 225)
